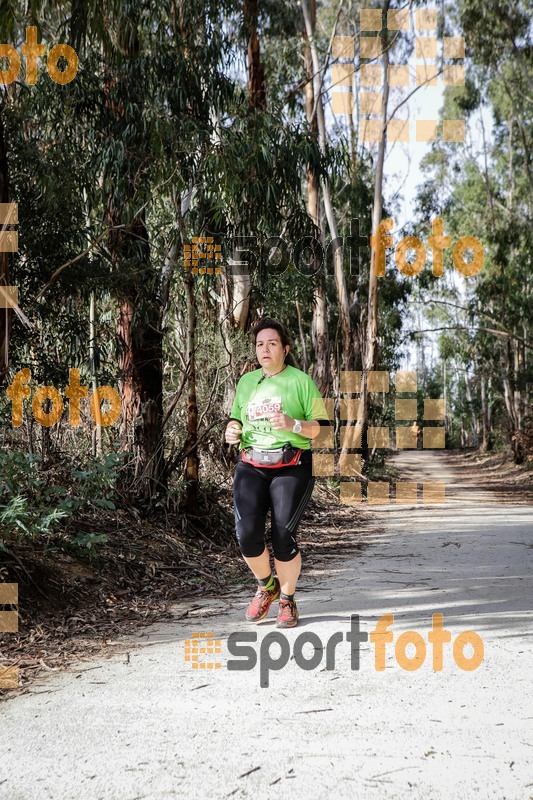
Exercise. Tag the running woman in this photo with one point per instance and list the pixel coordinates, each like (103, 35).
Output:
(276, 412)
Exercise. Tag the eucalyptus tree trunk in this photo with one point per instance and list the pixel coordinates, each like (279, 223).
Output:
(370, 343)
(340, 281)
(192, 460)
(97, 433)
(257, 102)
(139, 324)
(256, 73)
(319, 326)
(5, 313)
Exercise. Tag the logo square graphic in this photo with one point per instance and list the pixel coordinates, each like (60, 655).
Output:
(370, 46)
(453, 130)
(9, 241)
(398, 19)
(9, 214)
(405, 381)
(378, 492)
(434, 492)
(323, 464)
(350, 436)
(200, 644)
(342, 74)
(398, 130)
(435, 409)
(324, 439)
(426, 47)
(342, 103)
(371, 102)
(321, 406)
(371, 75)
(349, 409)
(350, 465)
(9, 677)
(433, 438)
(343, 47)
(192, 254)
(426, 19)
(350, 493)
(406, 438)
(378, 381)
(426, 130)
(406, 409)
(406, 492)
(350, 381)
(454, 47)
(370, 19)
(454, 75)
(399, 75)
(378, 437)
(9, 297)
(9, 594)
(371, 130)
(9, 621)
(426, 74)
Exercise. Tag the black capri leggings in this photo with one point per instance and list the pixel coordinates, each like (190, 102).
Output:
(285, 491)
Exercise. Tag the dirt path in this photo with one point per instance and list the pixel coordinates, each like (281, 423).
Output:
(144, 724)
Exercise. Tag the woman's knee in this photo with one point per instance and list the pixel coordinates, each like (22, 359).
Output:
(250, 536)
(284, 545)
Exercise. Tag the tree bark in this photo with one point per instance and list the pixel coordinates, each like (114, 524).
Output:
(321, 372)
(340, 280)
(256, 72)
(370, 343)
(5, 313)
(192, 463)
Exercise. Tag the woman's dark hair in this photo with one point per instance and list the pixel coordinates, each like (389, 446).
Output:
(284, 335)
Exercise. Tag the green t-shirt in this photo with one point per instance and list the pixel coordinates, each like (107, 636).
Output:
(292, 392)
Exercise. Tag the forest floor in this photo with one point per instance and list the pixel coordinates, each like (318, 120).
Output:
(135, 721)
(71, 606)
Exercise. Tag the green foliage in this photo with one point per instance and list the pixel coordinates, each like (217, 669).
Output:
(32, 505)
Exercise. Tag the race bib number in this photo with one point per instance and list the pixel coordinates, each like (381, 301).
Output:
(260, 409)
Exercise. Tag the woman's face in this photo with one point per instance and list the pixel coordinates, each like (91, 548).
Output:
(269, 350)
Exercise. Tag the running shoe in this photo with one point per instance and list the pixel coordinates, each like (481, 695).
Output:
(258, 608)
(287, 614)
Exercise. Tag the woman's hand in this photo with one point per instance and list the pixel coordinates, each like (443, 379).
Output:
(233, 433)
(281, 422)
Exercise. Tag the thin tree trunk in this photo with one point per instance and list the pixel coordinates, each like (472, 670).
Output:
(473, 417)
(5, 314)
(139, 325)
(193, 461)
(485, 441)
(319, 326)
(370, 344)
(340, 281)
(257, 102)
(97, 433)
(302, 337)
(256, 73)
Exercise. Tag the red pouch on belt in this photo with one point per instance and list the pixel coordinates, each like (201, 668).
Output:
(286, 456)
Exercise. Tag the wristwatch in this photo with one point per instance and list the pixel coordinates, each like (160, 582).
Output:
(297, 427)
